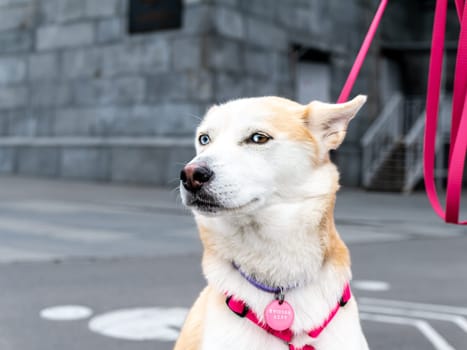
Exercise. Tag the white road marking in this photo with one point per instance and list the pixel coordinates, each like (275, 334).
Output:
(66, 313)
(460, 321)
(429, 332)
(417, 306)
(140, 324)
(373, 286)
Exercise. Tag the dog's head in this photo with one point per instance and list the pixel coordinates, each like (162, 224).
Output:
(254, 152)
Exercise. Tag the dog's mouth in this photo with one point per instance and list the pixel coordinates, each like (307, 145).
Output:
(211, 207)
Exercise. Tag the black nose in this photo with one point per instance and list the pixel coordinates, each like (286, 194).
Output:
(195, 175)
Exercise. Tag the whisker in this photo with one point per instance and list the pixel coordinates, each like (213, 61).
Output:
(195, 116)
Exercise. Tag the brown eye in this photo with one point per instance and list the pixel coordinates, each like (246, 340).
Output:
(259, 138)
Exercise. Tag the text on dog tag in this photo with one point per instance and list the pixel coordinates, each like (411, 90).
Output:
(279, 316)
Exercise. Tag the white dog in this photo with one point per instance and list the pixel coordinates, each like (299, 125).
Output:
(262, 189)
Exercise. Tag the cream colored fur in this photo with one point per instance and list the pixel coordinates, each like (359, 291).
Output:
(274, 218)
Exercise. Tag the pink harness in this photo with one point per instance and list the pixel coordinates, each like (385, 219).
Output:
(240, 308)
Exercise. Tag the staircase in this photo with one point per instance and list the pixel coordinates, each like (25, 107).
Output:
(390, 174)
(393, 146)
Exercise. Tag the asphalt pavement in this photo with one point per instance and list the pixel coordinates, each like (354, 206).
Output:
(100, 267)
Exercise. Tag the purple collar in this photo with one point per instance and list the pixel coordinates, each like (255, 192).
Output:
(259, 285)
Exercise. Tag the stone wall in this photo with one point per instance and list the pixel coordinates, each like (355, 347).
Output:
(81, 98)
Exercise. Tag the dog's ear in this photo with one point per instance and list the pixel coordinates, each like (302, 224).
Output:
(328, 121)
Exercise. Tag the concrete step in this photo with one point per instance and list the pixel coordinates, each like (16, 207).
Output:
(149, 160)
(391, 174)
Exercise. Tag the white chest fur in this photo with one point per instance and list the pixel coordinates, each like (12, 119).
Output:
(227, 331)
(312, 305)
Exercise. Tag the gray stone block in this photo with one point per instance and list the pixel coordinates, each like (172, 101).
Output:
(285, 15)
(4, 118)
(15, 2)
(224, 55)
(73, 122)
(260, 87)
(104, 120)
(187, 53)
(43, 119)
(200, 85)
(72, 35)
(44, 94)
(192, 85)
(177, 119)
(259, 63)
(7, 160)
(140, 165)
(134, 121)
(15, 41)
(109, 30)
(47, 11)
(261, 8)
(229, 23)
(44, 66)
(60, 11)
(37, 161)
(126, 90)
(266, 34)
(232, 3)
(282, 68)
(20, 17)
(167, 87)
(321, 24)
(69, 10)
(101, 8)
(168, 119)
(86, 163)
(89, 121)
(287, 89)
(12, 70)
(84, 62)
(197, 19)
(20, 123)
(13, 96)
(229, 86)
(137, 56)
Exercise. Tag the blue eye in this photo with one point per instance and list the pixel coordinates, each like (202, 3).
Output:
(204, 139)
(259, 138)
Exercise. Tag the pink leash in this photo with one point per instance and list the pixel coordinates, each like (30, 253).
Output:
(459, 113)
(349, 83)
(458, 138)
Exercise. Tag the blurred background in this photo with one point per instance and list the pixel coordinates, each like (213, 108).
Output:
(99, 100)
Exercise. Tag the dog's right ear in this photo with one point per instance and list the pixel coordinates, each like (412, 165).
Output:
(328, 121)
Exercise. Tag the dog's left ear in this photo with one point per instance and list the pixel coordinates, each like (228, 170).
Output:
(328, 121)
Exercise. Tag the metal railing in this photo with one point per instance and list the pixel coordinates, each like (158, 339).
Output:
(414, 154)
(414, 146)
(382, 136)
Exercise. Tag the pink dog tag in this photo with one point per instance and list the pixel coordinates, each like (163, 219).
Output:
(279, 316)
